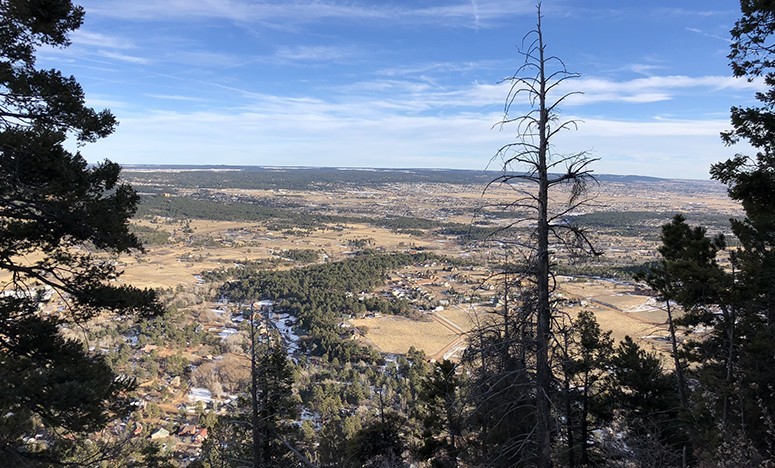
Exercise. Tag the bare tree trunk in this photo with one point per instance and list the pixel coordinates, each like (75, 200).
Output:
(569, 424)
(254, 390)
(584, 422)
(679, 368)
(532, 153)
(543, 370)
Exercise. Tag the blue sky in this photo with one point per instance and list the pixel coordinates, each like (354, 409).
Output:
(364, 83)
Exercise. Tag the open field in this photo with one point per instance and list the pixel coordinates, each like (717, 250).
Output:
(396, 335)
(217, 244)
(400, 215)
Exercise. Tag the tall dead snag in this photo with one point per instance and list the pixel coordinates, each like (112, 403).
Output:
(540, 177)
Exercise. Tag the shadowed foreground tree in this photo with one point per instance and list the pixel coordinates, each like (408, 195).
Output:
(61, 222)
(260, 433)
(646, 403)
(585, 364)
(689, 275)
(533, 170)
(734, 398)
(501, 385)
(729, 389)
(441, 413)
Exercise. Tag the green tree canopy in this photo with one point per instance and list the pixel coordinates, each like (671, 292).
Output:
(61, 220)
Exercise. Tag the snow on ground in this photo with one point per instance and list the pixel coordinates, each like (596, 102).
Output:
(227, 332)
(650, 305)
(284, 324)
(200, 394)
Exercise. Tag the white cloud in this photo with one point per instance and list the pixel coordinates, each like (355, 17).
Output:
(82, 37)
(714, 36)
(456, 14)
(691, 13)
(315, 133)
(124, 57)
(175, 97)
(445, 67)
(315, 54)
(650, 89)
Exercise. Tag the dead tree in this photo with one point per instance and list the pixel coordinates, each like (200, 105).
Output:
(538, 176)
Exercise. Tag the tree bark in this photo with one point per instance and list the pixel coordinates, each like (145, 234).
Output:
(543, 370)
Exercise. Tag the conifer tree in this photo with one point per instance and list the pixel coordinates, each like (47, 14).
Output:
(585, 366)
(689, 275)
(258, 434)
(533, 169)
(643, 395)
(751, 181)
(58, 217)
(441, 415)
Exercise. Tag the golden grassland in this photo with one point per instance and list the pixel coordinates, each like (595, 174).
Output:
(392, 334)
(178, 263)
(207, 245)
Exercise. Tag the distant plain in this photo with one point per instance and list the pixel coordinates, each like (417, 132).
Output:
(449, 214)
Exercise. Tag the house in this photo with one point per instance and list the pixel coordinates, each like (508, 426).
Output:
(200, 436)
(188, 430)
(160, 433)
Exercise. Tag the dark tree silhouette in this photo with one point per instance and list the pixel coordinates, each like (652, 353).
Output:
(689, 275)
(58, 219)
(532, 169)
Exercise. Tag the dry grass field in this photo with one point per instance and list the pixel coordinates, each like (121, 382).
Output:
(391, 334)
(206, 245)
(179, 263)
(616, 306)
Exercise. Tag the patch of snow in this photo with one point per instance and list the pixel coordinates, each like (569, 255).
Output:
(200, 394)
(284, 324)
(227, 332)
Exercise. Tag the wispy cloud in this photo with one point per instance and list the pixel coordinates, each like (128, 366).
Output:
(651, 89)
(83, 37)
(595, 90)
(391, 82)
(135, 59)
(475, 7)
(458, 13)
(445, 67)
(418, 96)
(316, 53)
(691, 12)
(175, 97)
(706, 34)
(647, 69)
(463, 140)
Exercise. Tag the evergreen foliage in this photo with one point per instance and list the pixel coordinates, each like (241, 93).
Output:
(585, 367)
(441, 414)
(735, 398)
(319, 296)
(58, 211)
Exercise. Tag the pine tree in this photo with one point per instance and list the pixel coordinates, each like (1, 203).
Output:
(689, 275)
(744, 390)
(441, 414)
(55, 210)
(585, 365)
(540, 176)
(259, 433)
(732, 404)
(644, 397)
